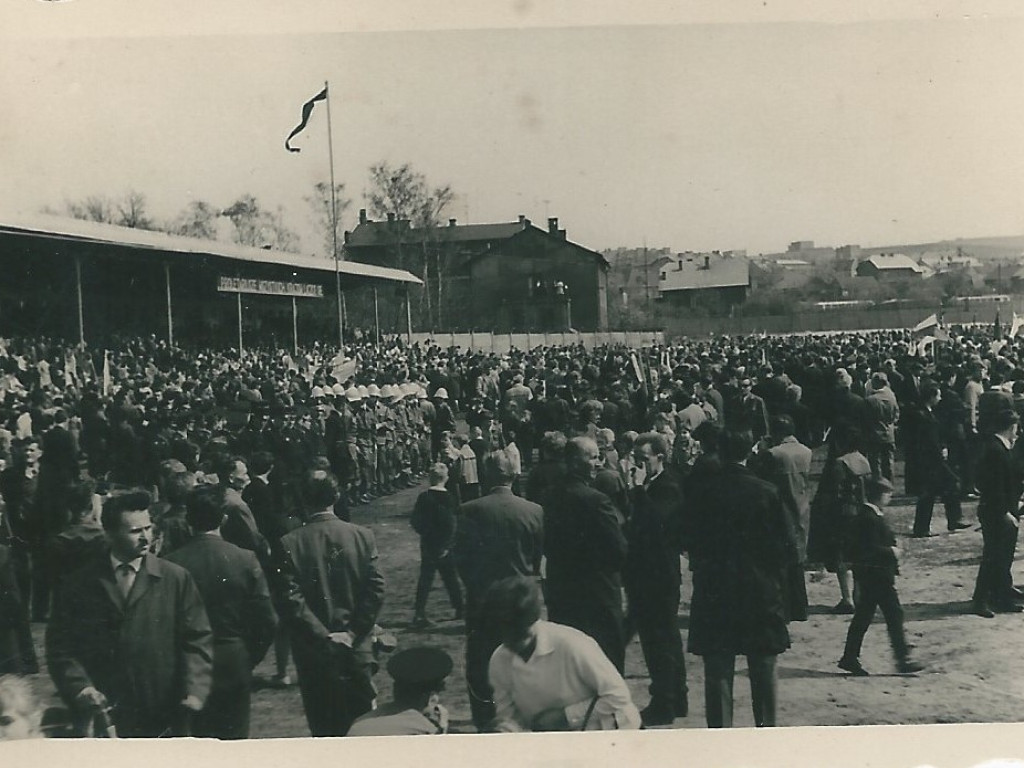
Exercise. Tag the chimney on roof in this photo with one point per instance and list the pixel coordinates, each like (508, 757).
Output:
(345, 234)
(707, 261)
(522, 219)
(451, 222)
(553, 225)
(391, 218)
(362, 215)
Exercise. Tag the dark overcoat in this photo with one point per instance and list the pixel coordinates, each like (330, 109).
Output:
(742, 542)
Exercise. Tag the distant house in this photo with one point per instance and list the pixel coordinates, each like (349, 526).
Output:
(500, 277)
(713, 280)
(890, 266)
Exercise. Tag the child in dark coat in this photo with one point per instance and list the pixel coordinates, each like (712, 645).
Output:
(871, 551)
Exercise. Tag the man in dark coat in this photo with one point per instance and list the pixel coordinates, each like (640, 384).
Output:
(498, 535)
(742, 542)
(751, 411)
(653, 577)
(237, 600)
(131, 633)
(937, 478)
(1000, 485)
(335, 592)
(586, 550)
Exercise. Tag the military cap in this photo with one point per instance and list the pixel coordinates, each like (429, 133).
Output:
(420, 666)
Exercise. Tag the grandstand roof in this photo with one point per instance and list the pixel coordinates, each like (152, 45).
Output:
(45, 226)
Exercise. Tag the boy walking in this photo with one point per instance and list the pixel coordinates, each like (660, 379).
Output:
(433, 518)
(872, 552)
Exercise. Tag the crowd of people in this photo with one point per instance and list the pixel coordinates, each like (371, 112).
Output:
(175, 515)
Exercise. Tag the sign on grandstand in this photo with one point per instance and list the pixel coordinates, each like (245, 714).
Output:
(270, 287)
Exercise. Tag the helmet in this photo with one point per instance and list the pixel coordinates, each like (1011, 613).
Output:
(363, 391)
(409, 389)
(421, 393)
(373, 391)
(338, 390)
(352, 395)
(318, 392)
(441, 394)
(387, 391)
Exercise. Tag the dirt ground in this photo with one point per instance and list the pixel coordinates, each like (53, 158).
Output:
(967, 657)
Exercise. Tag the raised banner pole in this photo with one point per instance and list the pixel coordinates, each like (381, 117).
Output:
(408, 315)
(239, 297)
(170, 314)
(78, 293)
(376, 314)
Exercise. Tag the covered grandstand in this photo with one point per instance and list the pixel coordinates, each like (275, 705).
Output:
(83, 280)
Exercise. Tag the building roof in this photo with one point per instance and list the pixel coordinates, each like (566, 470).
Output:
(373, 233)
(893, 261)
(379, 233)
(45, 226)
(688, 273)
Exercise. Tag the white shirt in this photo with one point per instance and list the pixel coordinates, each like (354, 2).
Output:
(567, 670)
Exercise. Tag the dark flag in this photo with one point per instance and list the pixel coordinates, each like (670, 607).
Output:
(307, 109)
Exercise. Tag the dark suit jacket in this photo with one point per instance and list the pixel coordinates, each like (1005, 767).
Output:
(239, 525)
(332, 580)
(498, 535)
(585, 548)
(742, 542)
(234, 591)
(655, 534)
(145, 654)
(999, 481)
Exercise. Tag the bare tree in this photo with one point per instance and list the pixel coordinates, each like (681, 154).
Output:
(257, 227)
(92, 208)
(128, 211)
(198, 219)
(404, 196)
(320, 203)
(131, 211)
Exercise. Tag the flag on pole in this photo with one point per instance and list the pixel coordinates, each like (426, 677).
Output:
(307, 110)
(929, 322)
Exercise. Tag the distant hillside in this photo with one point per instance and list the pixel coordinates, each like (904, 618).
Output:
(985, 248)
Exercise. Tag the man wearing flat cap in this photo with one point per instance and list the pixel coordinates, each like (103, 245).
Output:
(419, 676)
(1000, 485)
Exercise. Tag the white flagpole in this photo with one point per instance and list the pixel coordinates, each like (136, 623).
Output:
(334, 222)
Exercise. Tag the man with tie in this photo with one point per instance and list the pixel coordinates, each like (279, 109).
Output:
(131, 635)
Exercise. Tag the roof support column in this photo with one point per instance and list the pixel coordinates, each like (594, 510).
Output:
(78, 296)
(170, 313)
(239, 297)
(295, 326)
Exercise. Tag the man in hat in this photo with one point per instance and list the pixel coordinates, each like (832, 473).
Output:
(415, 710)
(1000, 485)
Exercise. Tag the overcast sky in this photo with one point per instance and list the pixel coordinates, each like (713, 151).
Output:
(749, 132)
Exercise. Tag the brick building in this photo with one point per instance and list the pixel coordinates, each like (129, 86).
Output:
(491, 277)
